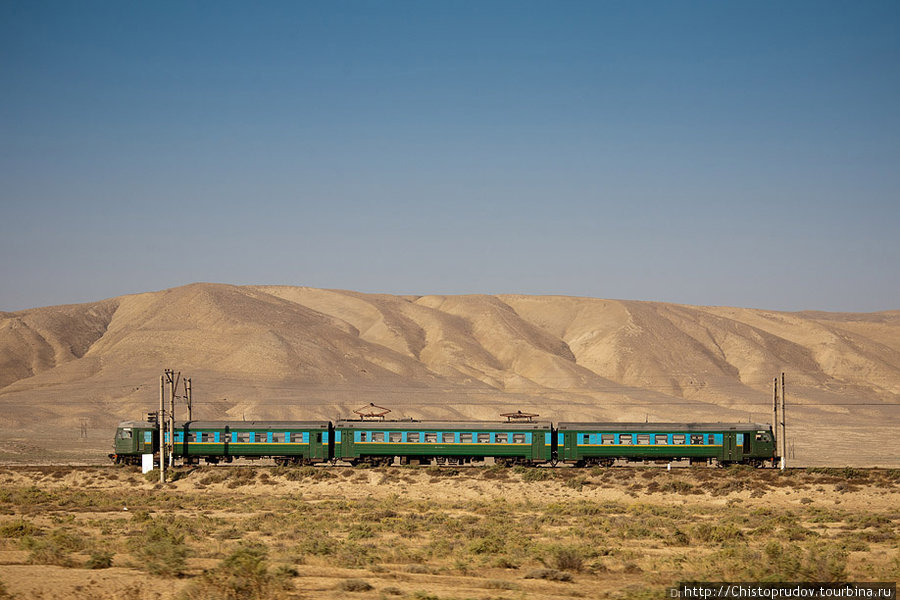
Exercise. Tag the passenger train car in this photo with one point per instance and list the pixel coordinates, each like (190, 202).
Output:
(451, 442)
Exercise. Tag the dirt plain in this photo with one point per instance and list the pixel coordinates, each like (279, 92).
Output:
(432, 533)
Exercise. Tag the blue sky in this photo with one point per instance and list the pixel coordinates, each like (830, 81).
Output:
(729, 153)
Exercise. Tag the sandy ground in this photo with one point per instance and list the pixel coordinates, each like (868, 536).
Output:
(95, 500)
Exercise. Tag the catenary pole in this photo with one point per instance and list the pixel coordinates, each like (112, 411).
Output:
(783, 433)
(162, 428)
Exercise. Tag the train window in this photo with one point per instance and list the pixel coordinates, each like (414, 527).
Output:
(377, 436)
(207, 436)
(412, 436)
(711, 439)
(430, 438)
(626, 439)
(660, 439)
(697, 438)
(484, 438)
(678, 439)
(395, 436)
(518, 438)
(585, 438)
(362, 436)
(448, 438)
(607, 439)
(643, 439)
(465, 438)
(243, 436)
(500, 438)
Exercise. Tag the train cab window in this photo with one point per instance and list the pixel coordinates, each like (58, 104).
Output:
(465, 438)
(362, 436)
(431, 438)
(643, 439)
(660, 439)
(484, 438)
(607, 439)
(377, 436)
(711, 439)
(124, 434)
(412, 436)
(697, 439)
(762, 436)
(500, 438)
(518, 438)
(448, 438)
(626, 439)
(395, 436)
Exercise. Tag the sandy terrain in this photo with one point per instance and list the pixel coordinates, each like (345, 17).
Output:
(441, 533)
(69, 373)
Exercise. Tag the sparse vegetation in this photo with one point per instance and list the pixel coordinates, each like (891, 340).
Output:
(543, 533)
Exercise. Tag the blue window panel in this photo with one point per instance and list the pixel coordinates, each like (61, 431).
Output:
(337, 437)
(166, 437)
(740, 439)
(216, 437)
(547, 439)
(148, 437)
(559, 439)
(305, 437)
(268, 437)
(325, 437)
(252, 437)
(179, 437)
(234, 437)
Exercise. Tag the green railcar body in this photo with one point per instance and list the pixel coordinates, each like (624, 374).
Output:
(724, 443)
(379, 442)
(133, 439)
(288, 442)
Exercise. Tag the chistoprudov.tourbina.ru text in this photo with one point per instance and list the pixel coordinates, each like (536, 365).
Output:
(775, 591)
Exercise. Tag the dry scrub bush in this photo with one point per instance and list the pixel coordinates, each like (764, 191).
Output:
(159, 550)
(244, 575)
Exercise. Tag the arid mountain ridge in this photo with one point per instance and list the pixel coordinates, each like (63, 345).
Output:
(297, 352)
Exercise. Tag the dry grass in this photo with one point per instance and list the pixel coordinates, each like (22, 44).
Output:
(433, 533)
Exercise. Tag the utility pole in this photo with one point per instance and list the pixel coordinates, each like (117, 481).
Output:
(775, 437)
(162, 429)
(188, 399)
(783, 434)
(173, 380)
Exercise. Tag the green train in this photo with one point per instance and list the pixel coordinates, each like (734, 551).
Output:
(451, 442)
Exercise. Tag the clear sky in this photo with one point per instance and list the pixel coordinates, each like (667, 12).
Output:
(739, 153)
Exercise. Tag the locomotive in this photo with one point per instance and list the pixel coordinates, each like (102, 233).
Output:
(450, 442)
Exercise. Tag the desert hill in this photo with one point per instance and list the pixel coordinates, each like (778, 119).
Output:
(293, 352)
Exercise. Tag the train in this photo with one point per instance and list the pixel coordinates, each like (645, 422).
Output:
(410, 442)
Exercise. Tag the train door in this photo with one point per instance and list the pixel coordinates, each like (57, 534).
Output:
(316, 445)
(733, 447)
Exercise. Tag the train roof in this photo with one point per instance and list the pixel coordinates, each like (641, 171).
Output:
(137, 424)
(253, 424)
(445, 425)
(653, 427)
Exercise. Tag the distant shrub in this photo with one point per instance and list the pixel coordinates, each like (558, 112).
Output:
(19, 529)
(160, 551)
(243, 575)
(354, 585)
(549, 575)
(568, 559)
(99, 560)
